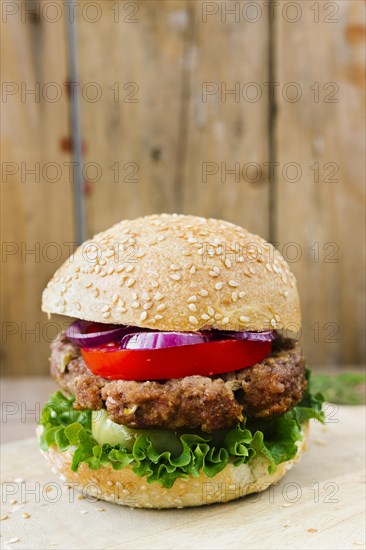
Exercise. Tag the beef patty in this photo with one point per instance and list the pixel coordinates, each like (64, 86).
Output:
(271, 387)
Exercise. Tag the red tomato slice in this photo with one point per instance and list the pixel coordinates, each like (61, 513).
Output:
(204, 359)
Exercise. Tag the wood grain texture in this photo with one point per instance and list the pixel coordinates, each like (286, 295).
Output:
(37, 217)
(324, 218)
(319, 504)
(135, 125)
(170, 132)
(224, 172)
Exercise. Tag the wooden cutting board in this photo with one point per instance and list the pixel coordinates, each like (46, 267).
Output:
(319, 504)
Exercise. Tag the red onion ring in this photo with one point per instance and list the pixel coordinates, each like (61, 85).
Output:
(137, 338)
(160, 340)
(265, 336)
(112, 333)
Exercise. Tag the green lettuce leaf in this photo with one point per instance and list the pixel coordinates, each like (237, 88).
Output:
(276, 439)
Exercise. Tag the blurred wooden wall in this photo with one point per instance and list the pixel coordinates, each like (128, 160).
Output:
(162, 132)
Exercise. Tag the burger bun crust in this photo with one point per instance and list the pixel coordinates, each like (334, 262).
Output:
(177, 272)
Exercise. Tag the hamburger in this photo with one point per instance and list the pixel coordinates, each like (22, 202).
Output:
(182, 379)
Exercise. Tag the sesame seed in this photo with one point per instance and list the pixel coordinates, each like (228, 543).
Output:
(186, 253)
(143, 316)
(145, 296)
(252, 270)
(78, 306)
(2, 518)
(175, 277)
(130, 268)
(147, 305)
(268, 267)
(120, 268)
(233, 283)
(242, 294)
(103, 273)
(192, 270)
(213, 273)
(187, 265)
(154, 284)
(105, 308)
(203, 293)
(158, 317)
(205, 317)
(25, 515)
(131, 282)
(192, 299)
(14, 539)
(193, 320)
(88, 285)
(192, 240)
(225, 320)
(219, 286)
(121, 310)
(210, 311)
(234, 296)
(106, 315)
(244, 319)
(115, 298)
(192, 307)
(160, 307)
(110, 271)
(159, 296)
(135, 305)
(102, 261)
(200, 251)
(161, 238)
(97, 269)
(174, 267)
(227, 263)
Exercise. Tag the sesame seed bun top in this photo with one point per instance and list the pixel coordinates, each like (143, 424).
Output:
(177, 272)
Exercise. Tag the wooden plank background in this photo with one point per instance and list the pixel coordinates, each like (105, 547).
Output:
(157, 115)
(37, 226)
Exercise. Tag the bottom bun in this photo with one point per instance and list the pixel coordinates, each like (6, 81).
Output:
(126, 488)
